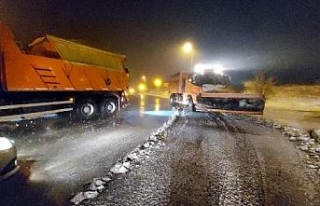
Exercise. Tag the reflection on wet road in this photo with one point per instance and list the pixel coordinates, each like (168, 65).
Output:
(57, 156)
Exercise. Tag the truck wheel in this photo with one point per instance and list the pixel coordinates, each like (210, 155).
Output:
(191, 104)
(173, 99)
(108, 107)
(86, 109)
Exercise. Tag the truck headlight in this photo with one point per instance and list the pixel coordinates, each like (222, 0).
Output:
(5, 143)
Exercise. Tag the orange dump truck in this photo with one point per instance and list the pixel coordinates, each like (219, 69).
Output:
(208, 91)
(52, 75)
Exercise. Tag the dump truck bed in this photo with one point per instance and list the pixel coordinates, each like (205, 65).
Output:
(54, 64)
(54, 47)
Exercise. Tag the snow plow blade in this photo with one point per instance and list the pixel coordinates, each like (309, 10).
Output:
(236, 103)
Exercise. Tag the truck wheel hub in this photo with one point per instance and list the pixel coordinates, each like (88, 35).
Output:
(87, 109)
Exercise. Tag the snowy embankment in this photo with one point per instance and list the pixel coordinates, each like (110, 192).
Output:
(128, 162)
(308, 142)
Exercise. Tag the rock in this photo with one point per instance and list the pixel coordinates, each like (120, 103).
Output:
(152, 143)
(292, 139)
(277, 126)
(90, 194)
(93, 187)
(100, 188)
(302, 138)
(312, 150)
(78, 198)
(153, 138)
(311, 141)
(141, 147)
(118, 169)
(146, 145)
(133, 157)
(304, 148)
(313, 166)
(165, 134)
(126, 165)
(99, 182)
(315, 134)
(106, 179)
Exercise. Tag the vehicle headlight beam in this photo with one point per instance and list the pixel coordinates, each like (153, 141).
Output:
(5, 143)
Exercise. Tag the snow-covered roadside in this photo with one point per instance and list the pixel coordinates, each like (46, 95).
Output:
(128, 162)
(308, 142)
(302, 139)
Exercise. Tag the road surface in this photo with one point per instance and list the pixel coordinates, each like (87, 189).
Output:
(57, 157)
(212, 159)
(207, 159)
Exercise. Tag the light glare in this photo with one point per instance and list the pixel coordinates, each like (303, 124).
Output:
(5, 143)
(187, 47)
(216, 68)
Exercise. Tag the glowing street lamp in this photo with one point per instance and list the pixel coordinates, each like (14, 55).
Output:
(157, 82)
(142, 87)
(188, 48)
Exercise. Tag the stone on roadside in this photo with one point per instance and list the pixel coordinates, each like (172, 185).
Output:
(92, 186)
(133, 157)
(315, 134)
(90, 194)
(277, 126)
(106, 179)
(153, 138)
(78, 198)
(126, 165)
(303, 138)
(118, 169)
(303, 148)
(146, 145)
(292, 139)
(96, 185)
(100, 188)
(312, 166)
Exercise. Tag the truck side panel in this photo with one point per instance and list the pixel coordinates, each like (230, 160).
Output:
(23, 72)
(40, 82)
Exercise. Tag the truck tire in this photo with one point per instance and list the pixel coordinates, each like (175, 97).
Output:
(173, 99)
(108, 107)
(86, 109)
(191, 105)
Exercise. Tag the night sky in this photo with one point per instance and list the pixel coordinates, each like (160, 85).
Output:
(238, 34)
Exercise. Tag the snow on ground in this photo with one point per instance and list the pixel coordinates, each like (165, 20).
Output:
(296, 116)
(295, 111)
(131, 160)
(305, 141)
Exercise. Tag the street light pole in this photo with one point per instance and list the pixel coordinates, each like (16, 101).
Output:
(188, 48)
(191, 61)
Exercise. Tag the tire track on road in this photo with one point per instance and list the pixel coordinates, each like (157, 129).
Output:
(243, 182)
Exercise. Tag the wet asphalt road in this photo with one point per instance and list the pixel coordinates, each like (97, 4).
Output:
(212, 159)
(57, 156)
(207, 159)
